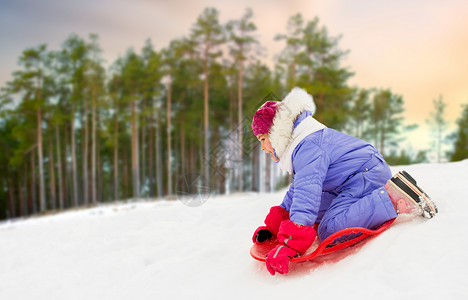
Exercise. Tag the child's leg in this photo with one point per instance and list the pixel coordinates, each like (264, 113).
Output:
(370, 212)
(363, 202)
(327, 199)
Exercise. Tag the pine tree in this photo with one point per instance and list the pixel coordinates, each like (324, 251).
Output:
(208, 34)
(460, 150)
(72, 64)
(386, 122)
(132, 74)
(438, 125)
(171, 56)
(185, 69)
(30, 82)
(8, 144)
(359, 113)
(312, 59)
(240, 33)
(115, 87)
(290, 55)
(324, 78)
(96, 77)
(258, 87)
(154, 72)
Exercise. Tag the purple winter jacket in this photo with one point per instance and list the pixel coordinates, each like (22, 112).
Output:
(322, 163)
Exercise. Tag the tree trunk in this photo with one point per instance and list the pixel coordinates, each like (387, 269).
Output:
(22, 208)
(27, 179)
(376, 132)
(68, 174)
(439, 142)
(151, 155)
(24, 195)
(255, 167)
(293, 75)
(382, 141)
(99, 165)
(232, 107)
(320, 106)
(53, 196)
(206, 117)
(93, 148)
(11, 197)
(22, 202)
(174, 147)
(267, 174)
(201, 158)
(135, 153)
(293, 68)
(74, 162)
(42, 199)
(39, 148)
(116, 153)
(125, 173)
(84, 120)
(33, 183)
(182, 150)
(169, 149)
(192, 158)
(59, 163)
(261, 170)
(240, 127)
(309, 68)
(159, 179)
(142, 151)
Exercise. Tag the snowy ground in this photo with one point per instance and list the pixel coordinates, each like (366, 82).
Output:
(166, 250)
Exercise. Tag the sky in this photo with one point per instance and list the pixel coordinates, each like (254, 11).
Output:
(418, 49)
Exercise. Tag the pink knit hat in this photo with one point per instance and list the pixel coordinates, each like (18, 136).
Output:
(263, 118)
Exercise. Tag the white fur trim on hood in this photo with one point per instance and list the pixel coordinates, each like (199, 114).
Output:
(296, 102)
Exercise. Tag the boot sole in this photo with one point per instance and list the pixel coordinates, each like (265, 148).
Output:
(407, 185)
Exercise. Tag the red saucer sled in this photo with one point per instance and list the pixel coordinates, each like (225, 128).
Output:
(259, 251)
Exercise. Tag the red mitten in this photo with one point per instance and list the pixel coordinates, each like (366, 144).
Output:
(295, 239)
(278, 259)
(261, 235)
(296, 236)
(273, 220)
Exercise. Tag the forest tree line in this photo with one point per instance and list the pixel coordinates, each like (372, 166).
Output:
(158, 123)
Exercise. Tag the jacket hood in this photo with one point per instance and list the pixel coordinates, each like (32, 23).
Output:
(296, 102)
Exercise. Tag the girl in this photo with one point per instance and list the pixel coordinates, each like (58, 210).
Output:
(338, 181)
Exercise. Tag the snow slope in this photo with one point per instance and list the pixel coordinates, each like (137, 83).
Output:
(165, 250)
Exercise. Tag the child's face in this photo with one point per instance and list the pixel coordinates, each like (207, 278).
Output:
(266, 145)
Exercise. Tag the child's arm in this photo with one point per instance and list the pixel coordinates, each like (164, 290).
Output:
(287, 200)
(311, 165)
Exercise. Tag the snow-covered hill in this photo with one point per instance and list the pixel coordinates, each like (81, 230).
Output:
(166, 250)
